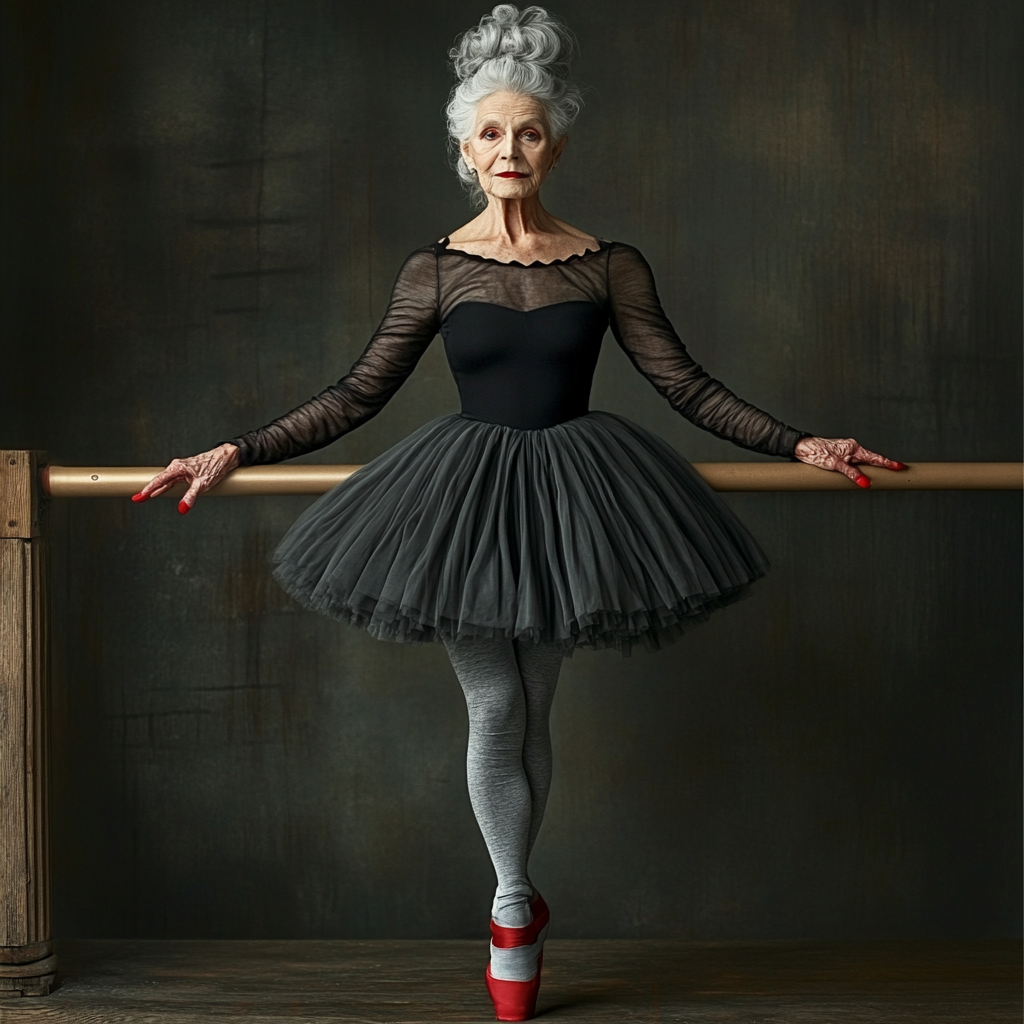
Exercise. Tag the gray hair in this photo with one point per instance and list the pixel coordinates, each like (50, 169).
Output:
(527, 52)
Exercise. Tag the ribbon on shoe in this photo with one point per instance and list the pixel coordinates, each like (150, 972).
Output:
(510, 938)
(514, 1000)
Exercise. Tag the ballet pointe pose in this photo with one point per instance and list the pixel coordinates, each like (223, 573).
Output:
(527, 524)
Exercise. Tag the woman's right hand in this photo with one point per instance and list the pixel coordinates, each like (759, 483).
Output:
(200, 471)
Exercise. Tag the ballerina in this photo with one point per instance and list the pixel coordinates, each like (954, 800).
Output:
(526, 525)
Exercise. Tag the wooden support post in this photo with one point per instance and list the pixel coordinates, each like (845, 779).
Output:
(27, 963)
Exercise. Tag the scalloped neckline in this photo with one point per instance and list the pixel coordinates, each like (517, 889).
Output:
(442, 246)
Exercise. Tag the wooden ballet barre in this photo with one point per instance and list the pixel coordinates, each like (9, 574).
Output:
(124, 481)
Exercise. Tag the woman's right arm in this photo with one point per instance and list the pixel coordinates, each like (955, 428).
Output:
(408, 327)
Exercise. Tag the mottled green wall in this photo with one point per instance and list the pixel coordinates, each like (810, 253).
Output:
(204, 205)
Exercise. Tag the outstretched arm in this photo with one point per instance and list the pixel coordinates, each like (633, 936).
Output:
(648, 338)
(408, 327)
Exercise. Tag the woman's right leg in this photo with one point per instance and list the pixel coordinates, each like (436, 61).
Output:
(501, 701)
(498, 786)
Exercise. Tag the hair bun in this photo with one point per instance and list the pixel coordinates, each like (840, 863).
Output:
(531, 36)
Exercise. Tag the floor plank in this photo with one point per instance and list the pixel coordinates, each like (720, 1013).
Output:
(409, 982)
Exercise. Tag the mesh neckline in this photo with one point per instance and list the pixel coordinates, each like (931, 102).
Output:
(442, 246)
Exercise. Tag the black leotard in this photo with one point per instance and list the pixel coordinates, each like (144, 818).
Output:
(522, 342)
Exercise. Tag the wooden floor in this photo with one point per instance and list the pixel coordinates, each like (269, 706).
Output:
(110, 982)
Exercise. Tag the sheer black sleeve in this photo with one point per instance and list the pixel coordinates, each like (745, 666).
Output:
(408, 327)
(645, 333)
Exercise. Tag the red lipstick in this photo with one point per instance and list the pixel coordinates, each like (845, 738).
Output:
(510, 174)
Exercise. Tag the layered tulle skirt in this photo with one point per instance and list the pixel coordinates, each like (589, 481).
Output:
(591, 533)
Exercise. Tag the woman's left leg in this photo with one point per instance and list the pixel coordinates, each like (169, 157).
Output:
(539, 666)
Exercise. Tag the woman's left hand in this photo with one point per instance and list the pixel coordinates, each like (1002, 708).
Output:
(841, 454)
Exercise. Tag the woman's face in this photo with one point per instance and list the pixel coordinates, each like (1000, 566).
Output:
(511, 147)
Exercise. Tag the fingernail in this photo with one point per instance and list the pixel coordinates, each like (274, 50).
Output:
(899, 465)
(863, 481)
(140, 497)
(182, 507)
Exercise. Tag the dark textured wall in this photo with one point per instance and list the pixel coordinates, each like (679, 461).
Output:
(204, 205)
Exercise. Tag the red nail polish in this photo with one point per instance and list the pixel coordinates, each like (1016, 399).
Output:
(899, 465)
(182, 507)
(140, 497)
(863, 481)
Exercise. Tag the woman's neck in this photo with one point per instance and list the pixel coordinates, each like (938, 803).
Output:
(513, 223)
(519, 229)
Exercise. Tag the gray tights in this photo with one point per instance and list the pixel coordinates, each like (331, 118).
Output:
(509, 686)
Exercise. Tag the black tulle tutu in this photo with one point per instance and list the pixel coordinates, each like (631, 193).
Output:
(591, 533)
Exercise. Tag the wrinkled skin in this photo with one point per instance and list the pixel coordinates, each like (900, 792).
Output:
(841, 455)
(511, 136)
(200, 472)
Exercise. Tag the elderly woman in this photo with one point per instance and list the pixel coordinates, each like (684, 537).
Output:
(526, 525)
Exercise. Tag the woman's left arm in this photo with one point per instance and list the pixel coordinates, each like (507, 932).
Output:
(648, 338)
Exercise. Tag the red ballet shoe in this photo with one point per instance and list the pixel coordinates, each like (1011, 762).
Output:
(514, 1000)
(509, 938)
